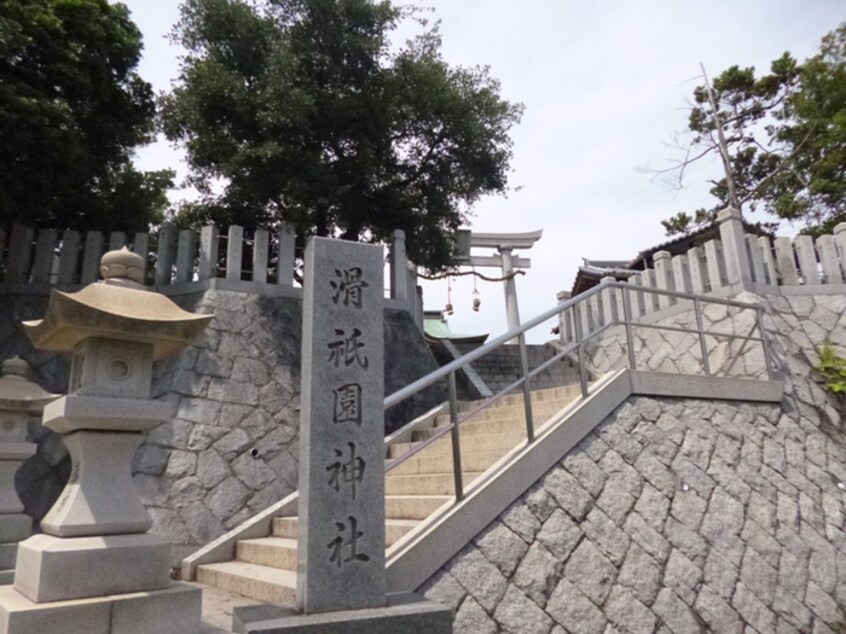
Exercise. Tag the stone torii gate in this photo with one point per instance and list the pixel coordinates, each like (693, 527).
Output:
(504, 259)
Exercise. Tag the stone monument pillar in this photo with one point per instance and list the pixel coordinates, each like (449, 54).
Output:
(19, 399)
(95, 568)
(341, 512)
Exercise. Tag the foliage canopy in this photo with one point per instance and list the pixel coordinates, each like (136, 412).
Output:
(785, 136)
(299, 110)
(72, 109)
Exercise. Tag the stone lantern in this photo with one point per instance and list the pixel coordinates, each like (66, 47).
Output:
(95, 567)
(19, 399)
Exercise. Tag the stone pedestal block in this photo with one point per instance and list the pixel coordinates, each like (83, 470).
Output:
(57, 569)
(175, 609)
(100, 497)
(404, 612)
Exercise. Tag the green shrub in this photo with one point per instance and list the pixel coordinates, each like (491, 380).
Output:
(832, 369)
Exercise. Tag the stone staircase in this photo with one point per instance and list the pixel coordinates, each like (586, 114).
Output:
(265, 568)
(501, 367)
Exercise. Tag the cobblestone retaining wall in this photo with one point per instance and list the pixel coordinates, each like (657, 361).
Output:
(658, 350)
(679, 515)
(231, 449)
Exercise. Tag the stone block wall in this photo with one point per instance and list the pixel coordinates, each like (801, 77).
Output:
(501, 367)
(231, 449)
(680, 515)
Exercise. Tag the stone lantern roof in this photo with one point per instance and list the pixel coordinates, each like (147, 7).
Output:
(17, 393)
(117, 308)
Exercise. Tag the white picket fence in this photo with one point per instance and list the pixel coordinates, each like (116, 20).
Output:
(179, 261)
(724, 266)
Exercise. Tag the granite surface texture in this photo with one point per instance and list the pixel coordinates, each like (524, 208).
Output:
(680, 515)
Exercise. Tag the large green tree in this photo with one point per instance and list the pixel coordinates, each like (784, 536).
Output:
(781, 136)
(72, 108)
(299, 110)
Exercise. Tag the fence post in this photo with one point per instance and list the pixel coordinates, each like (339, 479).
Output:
(697, 272)
(68, 256)
(234, 253)
(207, 268)
(91, 257)
(786, 262)
(681, 273)
(733, 238)
(20, 249)
(141, 246)
(260, 253)
(43, 264)
(663, 277)
(840, 241)
(829, 260)
(807, 259)
(609, 302)
(164, 261)
(770, 271)
(712, 260)
(565, 327)
(117, 240)
(640, 306)
(185, 255)
(399, 267)
(757, 259)
(287, 239)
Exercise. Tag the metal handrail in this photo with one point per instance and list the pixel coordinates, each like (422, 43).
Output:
(581, 339)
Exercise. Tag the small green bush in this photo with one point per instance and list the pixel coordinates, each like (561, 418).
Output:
(832, 369)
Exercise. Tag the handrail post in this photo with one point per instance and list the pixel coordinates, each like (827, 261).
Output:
(759, 311)
(627, 316)
(527, 394)
(577, 324)
(705, 365)
(456, 444)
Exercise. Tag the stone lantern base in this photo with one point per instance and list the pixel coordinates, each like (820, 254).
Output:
(173, 610)
(14, 527)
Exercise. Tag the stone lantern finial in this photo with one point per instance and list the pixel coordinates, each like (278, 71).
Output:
(123, 268)
(15, 368)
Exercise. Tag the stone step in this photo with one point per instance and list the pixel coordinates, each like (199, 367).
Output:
(276, 552)
(413, 507)
(478, 442)
(263, 583)
(544, 408)
(470, 461)
(473, 428)
(425, 484)
(286, 527)
(516, 398)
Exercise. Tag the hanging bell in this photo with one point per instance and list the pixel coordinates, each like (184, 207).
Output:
(448, 308)
(476, 303)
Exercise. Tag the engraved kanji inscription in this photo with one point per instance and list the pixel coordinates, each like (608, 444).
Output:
(346, 472)
(347, 408)
(346, 550)
(348, 286)
(347, 349)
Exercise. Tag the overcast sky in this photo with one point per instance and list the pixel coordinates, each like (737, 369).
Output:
(604, 85)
